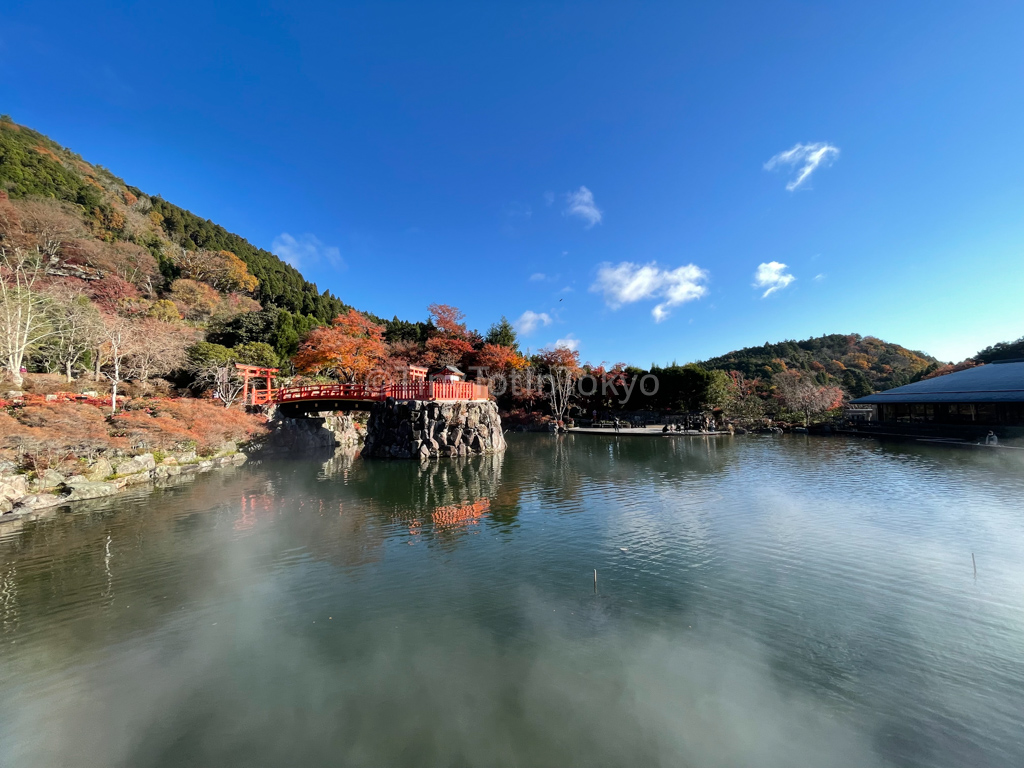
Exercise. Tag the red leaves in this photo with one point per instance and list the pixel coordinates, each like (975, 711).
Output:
(178, 423)
(498, 359)
(351, 348)
(46, 434)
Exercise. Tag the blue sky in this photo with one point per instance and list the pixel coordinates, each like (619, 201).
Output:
(601, 172)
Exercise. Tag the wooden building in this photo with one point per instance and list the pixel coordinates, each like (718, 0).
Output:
(967, 403)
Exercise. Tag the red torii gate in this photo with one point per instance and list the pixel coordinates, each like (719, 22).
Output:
(254, 373)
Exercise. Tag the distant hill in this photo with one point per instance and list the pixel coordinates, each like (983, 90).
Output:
(1004, 350)
(34, 166)
(860, 364)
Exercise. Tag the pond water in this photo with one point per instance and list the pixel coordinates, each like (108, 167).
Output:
(760, 601)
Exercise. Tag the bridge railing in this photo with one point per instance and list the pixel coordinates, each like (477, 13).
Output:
(262, 396)
(412, 390)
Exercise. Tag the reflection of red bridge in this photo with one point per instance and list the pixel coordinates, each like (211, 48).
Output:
(335, 397)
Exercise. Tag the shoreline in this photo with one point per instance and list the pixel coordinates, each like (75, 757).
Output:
(24, 495)
(27, 499)
(642, 432)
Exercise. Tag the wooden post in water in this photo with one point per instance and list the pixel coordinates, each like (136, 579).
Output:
(973, 562)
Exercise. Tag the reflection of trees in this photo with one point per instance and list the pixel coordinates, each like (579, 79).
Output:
(435, 499)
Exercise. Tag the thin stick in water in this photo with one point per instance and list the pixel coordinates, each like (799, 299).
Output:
(595, 580)
(973, 562)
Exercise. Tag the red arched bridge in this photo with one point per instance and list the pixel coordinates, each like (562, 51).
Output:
(346, 397)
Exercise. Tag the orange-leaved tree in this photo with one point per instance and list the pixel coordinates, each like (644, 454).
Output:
(350, 348)
(496, 359)
(451, 342)
(503, 368)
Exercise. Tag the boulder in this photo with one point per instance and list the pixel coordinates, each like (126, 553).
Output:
(38, 501)
(130, 466)
(99, 470)
(90, 490)
(13, 487)
(47, 479)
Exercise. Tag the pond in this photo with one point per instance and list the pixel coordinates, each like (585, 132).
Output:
(760, 601)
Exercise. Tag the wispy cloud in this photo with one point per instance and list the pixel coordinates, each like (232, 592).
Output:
(544, 277)
(570, 342)
(807, 156)
(626, 283)
(819, 278)
(581, 203)
(549, 199)
(306, 250)
(530, 321)
(773, 276)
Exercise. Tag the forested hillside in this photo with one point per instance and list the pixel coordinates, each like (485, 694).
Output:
(860, 364)
(33, 166)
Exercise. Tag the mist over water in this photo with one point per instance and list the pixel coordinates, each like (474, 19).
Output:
(761, 602)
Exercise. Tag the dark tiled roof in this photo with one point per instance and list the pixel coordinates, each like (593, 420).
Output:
(994, 383)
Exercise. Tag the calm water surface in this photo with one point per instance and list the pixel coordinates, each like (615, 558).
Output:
(760, 602)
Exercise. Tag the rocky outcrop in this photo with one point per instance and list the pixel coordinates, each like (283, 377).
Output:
(415, 429)
(314, 433)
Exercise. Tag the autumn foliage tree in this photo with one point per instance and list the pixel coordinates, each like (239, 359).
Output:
(350, 348)
(221, 270)
(802, 394)
(451, 342)
(502, 366)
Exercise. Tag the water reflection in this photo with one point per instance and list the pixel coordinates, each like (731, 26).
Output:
(762, 601)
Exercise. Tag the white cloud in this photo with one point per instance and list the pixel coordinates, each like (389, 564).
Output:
(538, 277)
(807, 156)
(626, 282)
(549, 199)
(570, 342)
(581, 203)
(819, 278)
(305, 250)
(773, 276)
(530, 321)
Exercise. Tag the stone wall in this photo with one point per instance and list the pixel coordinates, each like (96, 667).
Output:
(304, 434)
(410, 429)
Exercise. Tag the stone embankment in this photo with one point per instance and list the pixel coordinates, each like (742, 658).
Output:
(24, 494)
(409, 429)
